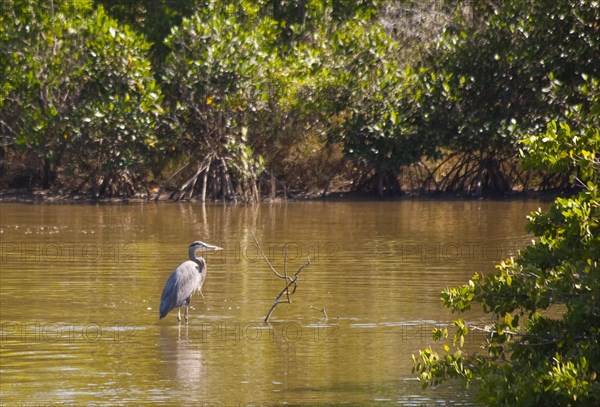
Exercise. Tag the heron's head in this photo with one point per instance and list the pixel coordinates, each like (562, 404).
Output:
(198, 245)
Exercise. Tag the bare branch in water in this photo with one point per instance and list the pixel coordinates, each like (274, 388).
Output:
(291, 282)
(265, 257)
(322, 310)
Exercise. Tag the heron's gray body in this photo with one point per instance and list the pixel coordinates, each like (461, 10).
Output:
(184, 281)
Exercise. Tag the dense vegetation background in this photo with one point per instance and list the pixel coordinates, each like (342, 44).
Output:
(542, 334)
(243, 100)
(240, 100)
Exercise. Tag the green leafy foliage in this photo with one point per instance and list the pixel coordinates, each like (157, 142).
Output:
(487, 82)
(78, 93)
(543, 346)
(567, 149)
(296, 93)
(154, 19)
(378, 129)
(217, 78)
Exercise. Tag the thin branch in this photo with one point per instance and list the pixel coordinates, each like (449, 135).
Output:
(289, 280)
(321, 310)
(285, 289)
(491, 331)
(285, 252)
(278, 300)
(303, 266)
(581, 183)
(265, 257)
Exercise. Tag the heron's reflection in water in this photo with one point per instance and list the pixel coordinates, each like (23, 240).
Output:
(183, 358)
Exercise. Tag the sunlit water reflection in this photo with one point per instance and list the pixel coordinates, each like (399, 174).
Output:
(80, 287)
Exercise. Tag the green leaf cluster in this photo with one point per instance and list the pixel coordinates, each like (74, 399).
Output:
(543, 343)
(488, 81)
(77, 91)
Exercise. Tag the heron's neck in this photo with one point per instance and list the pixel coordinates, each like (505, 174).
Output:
(198, 260)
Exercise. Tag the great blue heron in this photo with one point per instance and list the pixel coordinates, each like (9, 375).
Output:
(186, 279)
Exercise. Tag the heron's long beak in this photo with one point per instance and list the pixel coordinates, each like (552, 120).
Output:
(212, 247)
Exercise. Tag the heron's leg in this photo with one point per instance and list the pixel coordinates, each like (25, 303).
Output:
(178, 315)
(186, 313)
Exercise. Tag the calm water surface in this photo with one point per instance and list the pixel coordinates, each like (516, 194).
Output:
(80, 287)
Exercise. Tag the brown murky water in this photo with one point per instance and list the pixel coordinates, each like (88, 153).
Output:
(80, 287)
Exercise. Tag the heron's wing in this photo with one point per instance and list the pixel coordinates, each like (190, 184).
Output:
(182, 283)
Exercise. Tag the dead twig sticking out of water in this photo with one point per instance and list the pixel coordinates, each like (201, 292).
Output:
(321, 310)
(291, 283)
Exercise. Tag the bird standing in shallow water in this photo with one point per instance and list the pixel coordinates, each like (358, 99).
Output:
(184, 281)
